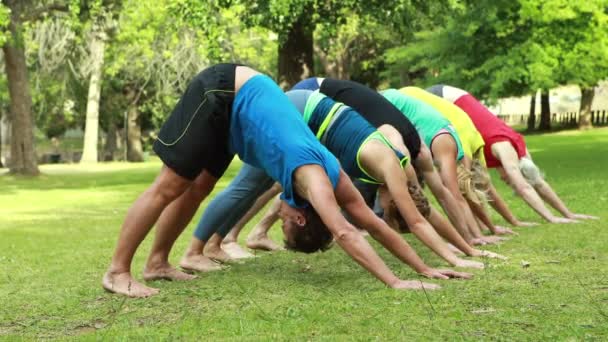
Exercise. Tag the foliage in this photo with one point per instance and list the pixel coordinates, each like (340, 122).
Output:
(508, 48)
(75, 212)
(5, 17)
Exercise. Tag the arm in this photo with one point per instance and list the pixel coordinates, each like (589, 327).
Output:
(546, 192)
(509, 160)
(396, 182)
(352, 202)
(448, 173)
(482, 214)
(501, 207)
(311, 183)
(441, 193)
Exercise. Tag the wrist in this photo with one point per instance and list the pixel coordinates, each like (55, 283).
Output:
(392, 282)
(424, 270)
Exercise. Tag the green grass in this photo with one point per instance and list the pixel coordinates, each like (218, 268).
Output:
(57, 233)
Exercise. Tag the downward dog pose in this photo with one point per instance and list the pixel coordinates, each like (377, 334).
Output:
(472, 164)
(447, 151)
(506, 150)
(231, 109)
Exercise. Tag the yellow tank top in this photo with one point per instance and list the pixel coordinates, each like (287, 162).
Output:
(472, 141)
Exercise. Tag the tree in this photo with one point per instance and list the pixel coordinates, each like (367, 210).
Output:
(294, 22)
(23, 154)
(101, 15)
(532, 115)
(519, 46)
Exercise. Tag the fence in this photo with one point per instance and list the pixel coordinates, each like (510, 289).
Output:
(598, 118)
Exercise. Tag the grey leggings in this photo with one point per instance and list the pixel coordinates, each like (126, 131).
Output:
(230, 205)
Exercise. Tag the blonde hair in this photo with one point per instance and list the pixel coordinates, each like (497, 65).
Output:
(397, 221)
(473, 184)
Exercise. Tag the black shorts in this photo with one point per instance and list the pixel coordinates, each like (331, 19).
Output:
(195, 135)
(374, 108)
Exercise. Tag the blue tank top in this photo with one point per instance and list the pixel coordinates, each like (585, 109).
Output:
(267, 132)
(307, 84)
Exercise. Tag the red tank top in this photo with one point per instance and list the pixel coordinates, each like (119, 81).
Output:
(492, 129)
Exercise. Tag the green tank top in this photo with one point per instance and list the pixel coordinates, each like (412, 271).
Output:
(428, 121)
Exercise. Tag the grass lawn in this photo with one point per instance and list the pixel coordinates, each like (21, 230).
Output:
(57, 233)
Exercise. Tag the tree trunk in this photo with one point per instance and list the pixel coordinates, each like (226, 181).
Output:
(134, 148)
(91, 131)
(111, 141)
(5, 139)
(23, 154)
(532, 116)
(296, 53)
(587, 95)
(545, 111)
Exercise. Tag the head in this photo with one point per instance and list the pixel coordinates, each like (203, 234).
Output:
(305, 232)
(422, 204)
(530, 171)
(467, 184)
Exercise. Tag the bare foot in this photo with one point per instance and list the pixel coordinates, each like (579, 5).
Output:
(262, 243)
(215, 252)
(124, 284)
(199, 263)
(235, 251)
(165, 272)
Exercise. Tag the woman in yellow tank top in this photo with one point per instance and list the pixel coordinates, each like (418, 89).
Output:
(471, 173)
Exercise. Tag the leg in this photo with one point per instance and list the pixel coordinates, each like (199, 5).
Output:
(258, 237)
(171, 224)
(140, 218)
(223, 213)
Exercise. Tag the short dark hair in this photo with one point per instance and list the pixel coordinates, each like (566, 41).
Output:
(312, 237)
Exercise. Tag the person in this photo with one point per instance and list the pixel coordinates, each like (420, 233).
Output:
(448, 152)
(232, 109)
(506, 151)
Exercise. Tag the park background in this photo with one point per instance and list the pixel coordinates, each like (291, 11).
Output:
(86, 84)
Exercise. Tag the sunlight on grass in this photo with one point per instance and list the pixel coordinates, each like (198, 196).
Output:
(57, 234)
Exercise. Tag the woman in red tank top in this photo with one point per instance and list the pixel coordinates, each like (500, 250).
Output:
(506, 151)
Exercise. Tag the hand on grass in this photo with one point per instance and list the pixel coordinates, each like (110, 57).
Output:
(499, 230)
(469, 264)
(526, 224)
(493, 239)
(414, 285)
(583, 217)
(489, 254)
(562, 220)
(434, 273)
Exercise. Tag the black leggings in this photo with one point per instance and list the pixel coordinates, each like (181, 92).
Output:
(374, 108)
